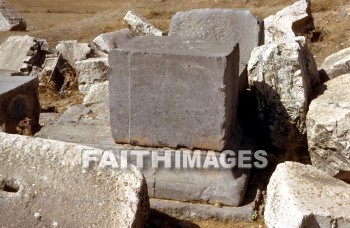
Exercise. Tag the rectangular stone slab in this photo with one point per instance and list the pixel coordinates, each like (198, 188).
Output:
(221, 25)
(18, 99)
(43, 184)
(13, 52)
(172, 92)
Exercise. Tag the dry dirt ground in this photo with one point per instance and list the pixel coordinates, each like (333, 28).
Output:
(83, 20)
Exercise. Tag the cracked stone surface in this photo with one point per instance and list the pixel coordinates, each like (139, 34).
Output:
(43, 184)
(328, 128)
(300, 195)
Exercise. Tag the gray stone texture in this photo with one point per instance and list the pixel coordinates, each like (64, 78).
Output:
(212, 186)
(90, 126)
(91, 71)
(290, 22)
(43, 184)
(337, 64)
(140, 26)
(167, 91)
(221, 25)
(18, 100)
(13, 52)
(282, 76)
(10, 20)
(302, 196)
(108, 41)
(328, 128)
(185, 210)
(72, 51)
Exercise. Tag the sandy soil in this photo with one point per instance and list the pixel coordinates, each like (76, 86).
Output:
(83, 20)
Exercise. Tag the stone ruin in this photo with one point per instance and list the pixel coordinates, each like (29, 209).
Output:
(10, 20)
(184, 91)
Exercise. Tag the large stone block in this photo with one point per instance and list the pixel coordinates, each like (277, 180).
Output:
(167, 91)
(43, 184)
(221, 25)
(10, 20)
(91, 71)
(18, 100)
(328, 128)
(289, 22)
(302, 196)
(90, 126)
(282, 76)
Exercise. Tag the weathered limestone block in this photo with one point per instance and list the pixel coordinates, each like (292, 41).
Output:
(10, 20)
(43, 184)
(13, 52)
(91, 71)
(140, 26)
(166, 91)
(328, 128)
(282, 76)
(302, 196)
(73, 51)
(98, 92)
(18, 100)
(289, 22)
(222, 25)
(108, 41)
(337, 64)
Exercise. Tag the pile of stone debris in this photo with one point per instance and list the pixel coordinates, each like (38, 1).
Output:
(223, 79)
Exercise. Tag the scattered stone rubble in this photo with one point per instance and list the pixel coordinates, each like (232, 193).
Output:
(10, 20)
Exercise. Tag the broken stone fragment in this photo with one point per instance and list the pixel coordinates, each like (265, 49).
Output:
(337, 64)
(73, 51)
(10, 20)
(140, 26)
(108, 41)
(91, 71)
(289, 23)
